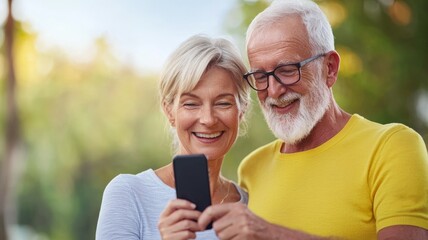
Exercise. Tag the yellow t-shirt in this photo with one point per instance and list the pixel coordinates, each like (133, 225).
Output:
(367, 177)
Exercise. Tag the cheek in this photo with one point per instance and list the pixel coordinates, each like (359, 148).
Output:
(232, 120)
(183, 121)
(310, 79)
(307, 75)
(262, 95)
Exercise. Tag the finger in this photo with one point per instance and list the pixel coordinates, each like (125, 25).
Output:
(236, 215)
(176, 216)
(239, 223)
(175, 204)
(224, 223)
(213, 213)
(182, 229)
(228, 233)
(185, 225)
(184, 235)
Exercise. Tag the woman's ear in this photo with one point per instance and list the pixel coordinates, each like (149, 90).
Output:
(333, 62)
(243, 107)
(242, 111)
(167, 109)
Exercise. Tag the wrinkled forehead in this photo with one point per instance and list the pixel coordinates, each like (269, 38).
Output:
(288, 29)
(279, 42)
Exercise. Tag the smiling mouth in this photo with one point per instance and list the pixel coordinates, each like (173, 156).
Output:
(283, 104)
(208, 135)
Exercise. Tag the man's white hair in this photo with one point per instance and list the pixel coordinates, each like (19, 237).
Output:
(319, 29)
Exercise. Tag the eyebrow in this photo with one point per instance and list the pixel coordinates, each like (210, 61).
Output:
(219, 96)
(282, 62)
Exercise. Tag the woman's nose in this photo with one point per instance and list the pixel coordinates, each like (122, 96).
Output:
(207, 116)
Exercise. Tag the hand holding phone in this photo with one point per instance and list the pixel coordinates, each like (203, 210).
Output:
(192, 181)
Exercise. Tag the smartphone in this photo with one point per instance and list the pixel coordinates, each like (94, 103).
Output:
(192, 181)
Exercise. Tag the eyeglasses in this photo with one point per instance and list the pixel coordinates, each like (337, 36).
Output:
(286, 74)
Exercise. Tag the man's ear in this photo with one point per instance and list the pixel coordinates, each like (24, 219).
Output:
(167, 109)
(333, 62)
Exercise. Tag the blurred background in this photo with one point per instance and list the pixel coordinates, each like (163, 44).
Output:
(79, 103)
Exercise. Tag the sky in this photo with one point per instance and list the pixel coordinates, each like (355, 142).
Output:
(140, 32)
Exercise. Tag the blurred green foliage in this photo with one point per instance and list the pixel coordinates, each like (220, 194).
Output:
(84, 123)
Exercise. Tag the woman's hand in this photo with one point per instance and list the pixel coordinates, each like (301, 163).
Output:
(179, 220)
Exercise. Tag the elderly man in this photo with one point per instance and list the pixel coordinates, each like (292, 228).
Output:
(330, 174)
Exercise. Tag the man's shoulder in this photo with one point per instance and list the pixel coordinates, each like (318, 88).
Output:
(385, 132)
(382, 128)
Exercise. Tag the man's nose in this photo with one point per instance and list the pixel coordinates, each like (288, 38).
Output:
(275, 89)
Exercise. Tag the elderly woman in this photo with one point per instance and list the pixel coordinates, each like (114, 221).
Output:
(205, 98)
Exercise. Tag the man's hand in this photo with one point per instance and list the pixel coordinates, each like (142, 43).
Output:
(234, 221)
(403, 232)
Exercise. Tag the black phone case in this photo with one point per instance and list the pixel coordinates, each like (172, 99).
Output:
(192, 181)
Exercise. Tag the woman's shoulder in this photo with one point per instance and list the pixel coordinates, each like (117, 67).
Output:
(141, 187)
(242, 193)
(130, 179)
(126, 183)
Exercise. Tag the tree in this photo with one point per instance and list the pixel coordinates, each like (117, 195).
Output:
(12, 136)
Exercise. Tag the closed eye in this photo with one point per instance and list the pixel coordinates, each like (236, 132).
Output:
(224, 104)
(190, 105)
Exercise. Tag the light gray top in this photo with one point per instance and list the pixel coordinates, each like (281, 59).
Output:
(132, 204)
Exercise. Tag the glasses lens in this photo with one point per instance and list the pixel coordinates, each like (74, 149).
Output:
(258, 80)
(288, 74)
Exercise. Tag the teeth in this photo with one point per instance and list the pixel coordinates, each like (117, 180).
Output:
(282, 103)
(212, 135)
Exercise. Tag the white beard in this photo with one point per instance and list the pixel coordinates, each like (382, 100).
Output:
(294, 128)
